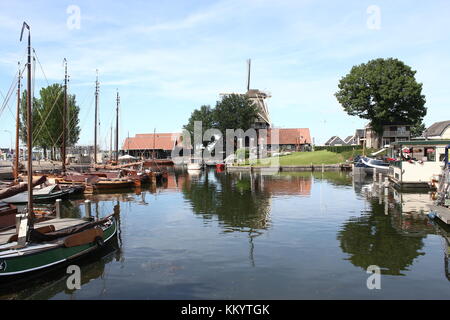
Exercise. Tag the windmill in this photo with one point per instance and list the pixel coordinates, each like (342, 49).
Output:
(259, 98)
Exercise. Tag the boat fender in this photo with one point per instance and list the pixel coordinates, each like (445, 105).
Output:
(432, 215)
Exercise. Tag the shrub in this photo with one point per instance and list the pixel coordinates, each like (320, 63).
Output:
(337, 149)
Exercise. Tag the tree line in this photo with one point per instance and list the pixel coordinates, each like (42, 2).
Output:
(47, 120)
(234, 111)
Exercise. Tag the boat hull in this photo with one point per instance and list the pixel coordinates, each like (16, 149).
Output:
(7, 216)
(194, 166)
(113, 185)
(23, 197)
(38, 257)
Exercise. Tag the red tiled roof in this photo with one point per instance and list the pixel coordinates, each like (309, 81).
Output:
(166, 141)
(290, 136)
(149, 141)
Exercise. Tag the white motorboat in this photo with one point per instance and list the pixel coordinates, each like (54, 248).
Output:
(194, 166)
(370, 164)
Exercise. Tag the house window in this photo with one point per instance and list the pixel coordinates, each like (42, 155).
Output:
(393, 128)
(430, 154)
(418, 153)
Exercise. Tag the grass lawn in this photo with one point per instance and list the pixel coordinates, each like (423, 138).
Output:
(315, 158)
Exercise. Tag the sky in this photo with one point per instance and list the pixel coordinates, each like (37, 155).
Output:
(167, 58)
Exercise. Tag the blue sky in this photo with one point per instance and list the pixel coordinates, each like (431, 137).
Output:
(167, 58)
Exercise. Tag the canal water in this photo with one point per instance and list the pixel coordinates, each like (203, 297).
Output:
(216, 235)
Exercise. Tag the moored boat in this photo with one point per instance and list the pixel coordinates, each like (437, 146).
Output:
(49, 247)
(48, 193)
(418, 163)
(370, 164)
(441, 207)
(36, 244)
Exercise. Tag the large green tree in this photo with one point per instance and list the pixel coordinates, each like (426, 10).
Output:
(205, 114)
(235, 112)
(383, 91)
(418, 129)
(232, 112)
(48, 119)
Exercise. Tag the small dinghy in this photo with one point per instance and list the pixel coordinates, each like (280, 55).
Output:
(48, 193)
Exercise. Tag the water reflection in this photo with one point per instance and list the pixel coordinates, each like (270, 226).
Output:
(391, 232)
(371, 239)
(47, 284)
(241, 201)
(217, 235)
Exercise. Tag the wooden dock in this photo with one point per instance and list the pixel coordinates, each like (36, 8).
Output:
(58, 223)
(442, 213)
(316, 168)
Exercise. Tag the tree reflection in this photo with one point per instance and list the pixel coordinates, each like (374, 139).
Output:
(232, 198)
(372, 240)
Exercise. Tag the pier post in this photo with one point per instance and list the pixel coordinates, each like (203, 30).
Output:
(323, 168)
(374, 174)
(380, 178)
(58, 208)
(386, 187)
(87, 207)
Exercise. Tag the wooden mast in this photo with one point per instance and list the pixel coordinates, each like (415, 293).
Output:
(117, 127)
(96, 114)
(154, 136)
(249, 63)
(16, 156)
(63, 155)
(31, 216)
(110, 145)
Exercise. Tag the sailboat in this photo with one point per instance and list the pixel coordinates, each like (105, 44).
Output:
(96, 180)
(36, 246)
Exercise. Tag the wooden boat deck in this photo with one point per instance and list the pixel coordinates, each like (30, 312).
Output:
(58, 223)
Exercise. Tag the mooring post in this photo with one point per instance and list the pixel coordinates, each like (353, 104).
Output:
(374, 174)
(380, 178)
(87, 207)
(386, 187)
(58, 208)
(323, 167)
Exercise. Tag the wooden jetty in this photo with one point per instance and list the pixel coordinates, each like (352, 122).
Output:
(317, 168)
(442, 213)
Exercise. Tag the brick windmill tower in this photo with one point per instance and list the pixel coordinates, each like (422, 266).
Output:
(259, 98)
